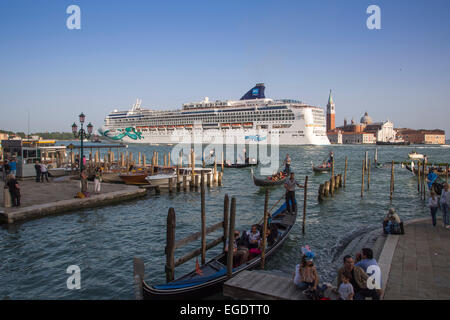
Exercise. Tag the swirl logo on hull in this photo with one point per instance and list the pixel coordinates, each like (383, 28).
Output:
(127, 132)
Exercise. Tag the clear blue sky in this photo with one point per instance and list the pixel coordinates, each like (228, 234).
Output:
(171, 52)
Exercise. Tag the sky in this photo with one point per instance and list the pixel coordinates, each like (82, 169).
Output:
(171, 52)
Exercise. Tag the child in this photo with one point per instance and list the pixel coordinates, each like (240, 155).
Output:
(346, 289)
(433, 204)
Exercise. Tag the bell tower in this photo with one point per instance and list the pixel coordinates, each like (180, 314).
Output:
(331, 124)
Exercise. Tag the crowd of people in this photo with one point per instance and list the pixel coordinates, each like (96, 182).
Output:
(250, 244)
(352, 278)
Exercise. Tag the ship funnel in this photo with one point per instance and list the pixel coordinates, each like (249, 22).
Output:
(257, 92)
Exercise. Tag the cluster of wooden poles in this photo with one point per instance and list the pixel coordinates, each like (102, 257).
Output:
(336, 181)
(228, 226)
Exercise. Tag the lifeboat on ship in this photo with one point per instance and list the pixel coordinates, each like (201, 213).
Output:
(236, 125)
(189, 126)
(248, 125)
(225, 125)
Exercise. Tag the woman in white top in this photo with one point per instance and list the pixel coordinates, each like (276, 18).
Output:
(445, 205)
(305, 275)
(254, 237)
(433, 204)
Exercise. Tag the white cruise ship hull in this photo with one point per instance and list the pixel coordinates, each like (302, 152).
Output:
(252, 120)
(300, 133)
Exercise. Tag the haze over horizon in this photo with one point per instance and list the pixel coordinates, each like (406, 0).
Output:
(170, 53)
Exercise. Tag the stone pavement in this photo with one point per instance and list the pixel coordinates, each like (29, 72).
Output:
(420, 267)
(41, 199)
(57, 189)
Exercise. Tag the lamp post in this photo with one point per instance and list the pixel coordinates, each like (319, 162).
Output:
(82, 135)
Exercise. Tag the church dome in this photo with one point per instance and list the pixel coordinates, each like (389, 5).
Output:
(366, 119)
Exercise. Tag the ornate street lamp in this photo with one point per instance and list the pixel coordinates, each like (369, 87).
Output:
(81, 134)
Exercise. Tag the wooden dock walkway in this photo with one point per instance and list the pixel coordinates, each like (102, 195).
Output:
(258, 285)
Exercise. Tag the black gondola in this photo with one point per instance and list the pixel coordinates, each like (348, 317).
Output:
(321, 168)
(266, 182)
(236, 165)
(214, 272)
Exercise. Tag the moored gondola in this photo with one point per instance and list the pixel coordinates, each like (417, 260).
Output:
(268, 182)
(214, 272)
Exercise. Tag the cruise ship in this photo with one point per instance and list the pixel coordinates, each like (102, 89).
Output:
(254, 119)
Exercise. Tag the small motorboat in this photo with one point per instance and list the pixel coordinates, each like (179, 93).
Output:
(111, 177)
(134, 177)
(415, 156)
(269, 181)
(161, 180)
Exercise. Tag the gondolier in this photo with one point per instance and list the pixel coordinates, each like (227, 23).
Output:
(290, 193)
(287, 164)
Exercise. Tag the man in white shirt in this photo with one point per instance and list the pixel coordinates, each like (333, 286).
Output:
(44, 172)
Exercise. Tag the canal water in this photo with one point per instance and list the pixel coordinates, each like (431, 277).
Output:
(34, 255)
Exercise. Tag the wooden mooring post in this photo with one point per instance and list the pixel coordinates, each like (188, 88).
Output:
(264, 233)
(418, 176)
(362, 179)
(345, 171)
(203, 219)
(226, 209)
(231, 238)
(172, 245)
(368, 176)
(305, 194)
(391, 194)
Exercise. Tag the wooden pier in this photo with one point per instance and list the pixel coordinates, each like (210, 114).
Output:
(257, 285)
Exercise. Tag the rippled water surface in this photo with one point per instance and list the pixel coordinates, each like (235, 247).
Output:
(34, 255)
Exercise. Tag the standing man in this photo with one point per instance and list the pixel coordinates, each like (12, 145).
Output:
(289, 185)
(287, 164)
(14, 190)
(364, 260)
(37, 167)
(330, 159)
(13, 166)
(44, 172)
(445, 203)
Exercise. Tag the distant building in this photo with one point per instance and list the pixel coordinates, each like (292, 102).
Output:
(422, 136)
(335, 137)
(383, 131)
(358, 138)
